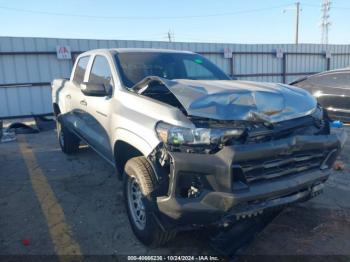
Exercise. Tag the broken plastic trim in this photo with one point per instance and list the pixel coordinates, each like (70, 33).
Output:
(256, 209)
(141, 86)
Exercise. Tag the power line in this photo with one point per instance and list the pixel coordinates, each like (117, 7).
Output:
(141, 17)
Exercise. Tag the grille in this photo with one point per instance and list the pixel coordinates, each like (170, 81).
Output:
(281, 165)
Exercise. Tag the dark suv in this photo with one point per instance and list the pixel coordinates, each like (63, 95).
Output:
(332, 91)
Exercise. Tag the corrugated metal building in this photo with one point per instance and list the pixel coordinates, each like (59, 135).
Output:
(28, 65)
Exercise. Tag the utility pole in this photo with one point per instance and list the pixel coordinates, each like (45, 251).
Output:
(297, 9)
(325, 23)
(170, 36)
(297, 5)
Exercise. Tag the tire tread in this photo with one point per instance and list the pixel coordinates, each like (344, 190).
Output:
(71, 141)
(148, 184)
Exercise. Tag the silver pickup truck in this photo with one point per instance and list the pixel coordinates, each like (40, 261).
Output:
(193, 147)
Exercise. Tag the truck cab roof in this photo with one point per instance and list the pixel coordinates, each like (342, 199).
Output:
(134, 50)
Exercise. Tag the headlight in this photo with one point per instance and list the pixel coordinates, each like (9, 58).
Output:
(175, 135)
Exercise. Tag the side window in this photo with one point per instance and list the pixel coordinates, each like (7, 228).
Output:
(337, 79)
(101, 73)
(80, 69)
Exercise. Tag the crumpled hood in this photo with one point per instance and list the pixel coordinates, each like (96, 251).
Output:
(242, 100)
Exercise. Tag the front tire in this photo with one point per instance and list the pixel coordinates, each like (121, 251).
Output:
(139, 183)
(68, 141)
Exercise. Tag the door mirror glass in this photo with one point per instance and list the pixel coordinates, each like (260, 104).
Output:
(93, 89)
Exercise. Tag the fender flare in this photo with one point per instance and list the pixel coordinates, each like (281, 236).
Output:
(134, 140)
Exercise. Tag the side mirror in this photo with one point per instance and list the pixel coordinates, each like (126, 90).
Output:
(93, 89)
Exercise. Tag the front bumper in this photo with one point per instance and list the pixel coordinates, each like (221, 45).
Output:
(226, 193)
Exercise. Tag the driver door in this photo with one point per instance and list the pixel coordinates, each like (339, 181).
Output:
(99, 108)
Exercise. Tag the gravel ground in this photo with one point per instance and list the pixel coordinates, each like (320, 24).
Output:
(89, 193)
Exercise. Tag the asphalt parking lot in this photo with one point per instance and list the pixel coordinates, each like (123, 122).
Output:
(51, 203)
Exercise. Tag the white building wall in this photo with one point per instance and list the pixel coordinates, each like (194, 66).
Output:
(28, 65)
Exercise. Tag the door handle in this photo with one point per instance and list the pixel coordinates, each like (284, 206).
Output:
(68, 96)
(102, 114)
(83, 103)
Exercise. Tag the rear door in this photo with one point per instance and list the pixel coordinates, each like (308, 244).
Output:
(74, 97)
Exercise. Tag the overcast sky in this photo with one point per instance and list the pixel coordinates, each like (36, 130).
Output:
(231, 21)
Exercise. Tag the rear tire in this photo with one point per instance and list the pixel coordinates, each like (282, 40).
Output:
(68, 141)
(139, 183)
